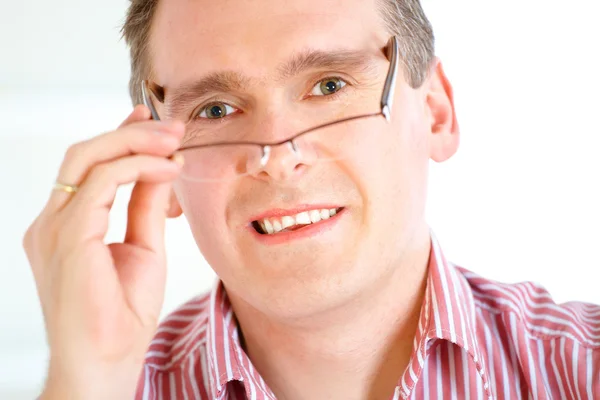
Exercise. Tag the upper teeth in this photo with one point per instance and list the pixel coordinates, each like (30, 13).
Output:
(274, 225)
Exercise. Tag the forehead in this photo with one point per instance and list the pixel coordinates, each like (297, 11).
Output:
(191, 38)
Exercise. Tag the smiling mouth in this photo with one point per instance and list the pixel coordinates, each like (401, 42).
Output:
(290, 223)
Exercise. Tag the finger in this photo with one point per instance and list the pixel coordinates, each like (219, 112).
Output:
(148, 137)
(147, 214)
(139, 113)
(100, 186)
(86, 215)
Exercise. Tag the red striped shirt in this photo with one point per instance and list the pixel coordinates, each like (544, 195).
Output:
(476, 339)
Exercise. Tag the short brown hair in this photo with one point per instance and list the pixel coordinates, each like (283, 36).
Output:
(403, 18)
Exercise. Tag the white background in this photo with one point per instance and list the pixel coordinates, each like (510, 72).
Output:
(520, 201)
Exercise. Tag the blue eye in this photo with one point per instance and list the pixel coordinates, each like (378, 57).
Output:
(327, 86)
(216, 111)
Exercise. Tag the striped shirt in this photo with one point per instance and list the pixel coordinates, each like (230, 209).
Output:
(476, 339)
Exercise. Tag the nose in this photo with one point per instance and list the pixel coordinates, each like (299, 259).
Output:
(287, 160)
(282, 162)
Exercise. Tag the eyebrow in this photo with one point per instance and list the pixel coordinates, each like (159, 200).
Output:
(356, 61)
(230, 81)
(224, 81)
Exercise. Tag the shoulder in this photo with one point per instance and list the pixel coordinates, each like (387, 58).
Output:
(531, 307)
(179, 334)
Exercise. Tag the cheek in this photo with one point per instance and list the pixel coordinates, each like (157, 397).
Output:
(391, 171)
(395, 157)
(203, 207)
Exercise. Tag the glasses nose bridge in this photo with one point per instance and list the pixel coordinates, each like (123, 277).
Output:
(267, 150)
(279, 152)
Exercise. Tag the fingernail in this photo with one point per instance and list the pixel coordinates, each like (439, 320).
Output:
(178, 158)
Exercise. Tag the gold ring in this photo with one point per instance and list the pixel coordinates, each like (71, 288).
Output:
(65, 188)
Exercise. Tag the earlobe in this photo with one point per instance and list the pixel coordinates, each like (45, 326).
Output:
(174, 209)
(443, 124)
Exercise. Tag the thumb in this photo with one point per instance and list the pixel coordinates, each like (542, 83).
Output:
(146, 216)
(143, 280)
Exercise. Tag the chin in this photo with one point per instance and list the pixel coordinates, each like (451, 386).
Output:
(300, 290)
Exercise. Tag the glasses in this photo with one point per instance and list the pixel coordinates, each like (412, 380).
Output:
(219, 151)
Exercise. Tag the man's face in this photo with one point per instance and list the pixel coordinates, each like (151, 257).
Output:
(378, 188)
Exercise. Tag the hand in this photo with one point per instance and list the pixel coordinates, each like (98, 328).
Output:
(101, 303)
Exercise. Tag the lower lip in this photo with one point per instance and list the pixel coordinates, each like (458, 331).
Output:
(302, 233)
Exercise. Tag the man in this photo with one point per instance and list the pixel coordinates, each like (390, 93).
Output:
(295, 138)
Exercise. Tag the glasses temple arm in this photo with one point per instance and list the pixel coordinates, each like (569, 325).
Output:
(148, 102)
(389, 87)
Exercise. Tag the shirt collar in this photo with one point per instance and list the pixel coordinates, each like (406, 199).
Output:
(224, 352)
(451, 305)
(448, 313)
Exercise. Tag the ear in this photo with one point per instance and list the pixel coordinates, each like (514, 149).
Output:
(174, 210)
(443, 124)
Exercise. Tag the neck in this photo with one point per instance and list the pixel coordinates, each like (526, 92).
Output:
(355, 352)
